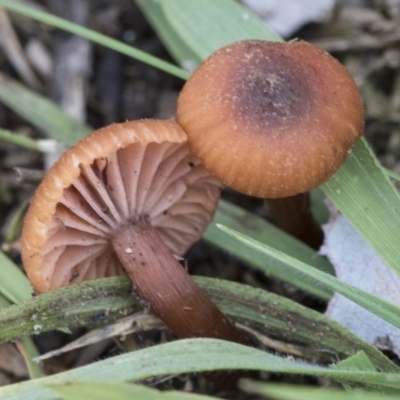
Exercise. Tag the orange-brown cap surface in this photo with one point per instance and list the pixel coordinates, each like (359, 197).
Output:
(123, 171)
(271, 119)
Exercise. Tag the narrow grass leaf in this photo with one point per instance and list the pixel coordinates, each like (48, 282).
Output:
(29, 351)
(318, 338)
(52, 20)
(86, 304)
(4, 302)
(182, 53)
(362, 191)
(318, 206)
(237, 218)
(359, 361)
(296, 392)
(41, 112)
(15, 222)
(391, 174)
(379, 307)
(192, 355)
(96, 390)
(207, 25)
(272, 316)
(18, 140)
(14, 285)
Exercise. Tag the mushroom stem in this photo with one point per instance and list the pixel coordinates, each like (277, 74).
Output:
(166, 286)
(292, 214)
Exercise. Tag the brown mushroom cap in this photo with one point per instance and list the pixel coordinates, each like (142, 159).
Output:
(123, 171)
(271, 119)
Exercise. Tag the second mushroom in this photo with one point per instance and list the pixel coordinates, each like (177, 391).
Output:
(273, 120)
(128, 198)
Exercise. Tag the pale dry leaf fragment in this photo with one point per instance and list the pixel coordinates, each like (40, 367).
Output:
(357, 264)
(134, 323)
(39, 57)
(13, 50)
(287, 16)
(11, 361)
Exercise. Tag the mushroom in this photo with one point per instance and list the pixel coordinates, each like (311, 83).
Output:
(129, 198)
(271, 119)
(293, 215)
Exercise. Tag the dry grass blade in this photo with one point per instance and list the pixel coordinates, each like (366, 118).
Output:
(15, 53)
(134, 323)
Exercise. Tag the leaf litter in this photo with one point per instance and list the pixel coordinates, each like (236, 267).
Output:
(357, 264)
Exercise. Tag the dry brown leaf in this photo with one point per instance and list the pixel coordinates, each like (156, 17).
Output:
(11, 361)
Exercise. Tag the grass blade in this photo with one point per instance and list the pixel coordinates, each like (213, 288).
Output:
(41, 112)
(362, 191)
(154, 13)
(269, 314)
(207, 34)
(379, 307)
(52, 20)
(14, 285)
(255, 227)
(118, 391)
(296, 392)
(192, 355)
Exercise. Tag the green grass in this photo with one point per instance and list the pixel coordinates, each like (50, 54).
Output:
(361, 190)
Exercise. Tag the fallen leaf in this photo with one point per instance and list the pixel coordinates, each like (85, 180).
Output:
(11, 361)
(287, 16)
(134, 323)
(357, 264)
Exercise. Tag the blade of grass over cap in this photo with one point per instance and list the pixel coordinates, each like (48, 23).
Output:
(379, 307)
(217, 24)
(52, 20)
(184, 55)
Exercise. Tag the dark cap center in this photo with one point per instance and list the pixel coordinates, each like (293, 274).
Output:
(271, 90)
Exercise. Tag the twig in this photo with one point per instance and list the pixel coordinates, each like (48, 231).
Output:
(71, 62)
(361, 43)
(10, 44)
(26, 175)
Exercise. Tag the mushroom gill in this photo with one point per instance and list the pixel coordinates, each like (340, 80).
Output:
(162, 181)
